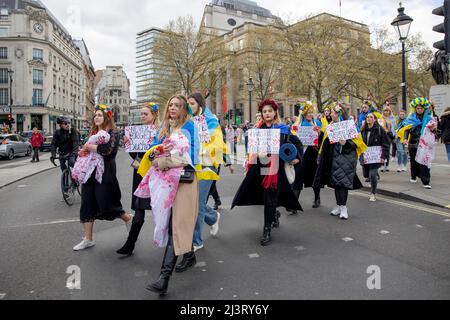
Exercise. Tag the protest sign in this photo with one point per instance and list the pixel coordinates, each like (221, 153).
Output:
(426, 151)
(373, 155)
(309, 136)
(264, 141)
(139, 138)
(344, 130)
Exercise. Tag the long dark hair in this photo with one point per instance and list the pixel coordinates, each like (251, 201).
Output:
(198, 97)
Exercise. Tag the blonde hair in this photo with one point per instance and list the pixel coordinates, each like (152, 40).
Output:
(184, 117)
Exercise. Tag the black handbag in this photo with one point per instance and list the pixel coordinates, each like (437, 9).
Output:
(187, 175)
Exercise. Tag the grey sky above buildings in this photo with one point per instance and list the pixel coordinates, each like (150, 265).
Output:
(109, 27)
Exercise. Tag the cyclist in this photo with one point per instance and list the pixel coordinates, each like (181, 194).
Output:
(66, 142)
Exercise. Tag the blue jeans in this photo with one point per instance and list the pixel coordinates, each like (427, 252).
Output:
(402, 156)
(206, 213)
(447, 147)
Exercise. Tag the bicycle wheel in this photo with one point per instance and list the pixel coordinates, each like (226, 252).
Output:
(66, 187)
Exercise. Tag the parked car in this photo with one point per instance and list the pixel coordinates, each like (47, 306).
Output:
(47, 145)
(12, 145)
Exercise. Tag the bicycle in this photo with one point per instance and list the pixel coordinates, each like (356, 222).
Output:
(68, 185)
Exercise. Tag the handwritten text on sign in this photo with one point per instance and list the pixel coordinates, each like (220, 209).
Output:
(373, 155)
(344, 130)
(264, 141)
(309, 136)
(139, 138)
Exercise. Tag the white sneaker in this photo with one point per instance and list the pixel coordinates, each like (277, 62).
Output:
(413, 180)
(336, 211)
(198, 248)
(215, 227)
(344, 213)
(404, 169)
(399, 169)
(427, 187)
(373, 198)
(85, 244)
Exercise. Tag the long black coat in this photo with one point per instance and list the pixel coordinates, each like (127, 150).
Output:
(102, 201)
(309, 164)
(378, 137)
(251, 192)
(444, 127)
(337, 166)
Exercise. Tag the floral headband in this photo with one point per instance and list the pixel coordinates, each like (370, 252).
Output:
(337, 107)
(152, 106)
(420, 102)
(305, 107)
(105, 109)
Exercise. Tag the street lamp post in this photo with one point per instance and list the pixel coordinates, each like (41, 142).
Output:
(251, 88)
(402, 24)
(10, 73)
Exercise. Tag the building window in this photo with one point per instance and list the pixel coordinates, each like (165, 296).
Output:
(38, 54)
(3, 75)
(4, 32)
(4, 14)
(4, 99)
(37, 97)
(241, 44)
(3, 53)
(38, 76)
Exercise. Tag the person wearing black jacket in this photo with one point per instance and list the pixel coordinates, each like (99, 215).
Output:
(149, 117)
(66, 142)
(444, 130)
(337, 166)
(266, 183)
(373, 136)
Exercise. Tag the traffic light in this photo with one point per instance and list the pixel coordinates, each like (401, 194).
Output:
(443, 45)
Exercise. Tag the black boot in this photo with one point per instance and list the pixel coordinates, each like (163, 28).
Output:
(276, 222)
(316, 203)
(266, 238)
(128, 248)
(170, 260)
(189, 260)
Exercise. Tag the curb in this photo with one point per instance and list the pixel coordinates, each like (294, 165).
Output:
(29, 176)
(405, 196)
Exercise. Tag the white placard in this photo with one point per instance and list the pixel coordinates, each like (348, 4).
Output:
(344, 130)
(309, 136)
(264, 141)
(139, 138)
(373, 155)
(440, 95)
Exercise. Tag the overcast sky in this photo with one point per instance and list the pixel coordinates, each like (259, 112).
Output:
(109, 27)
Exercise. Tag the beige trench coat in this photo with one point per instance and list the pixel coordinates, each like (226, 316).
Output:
(185, 211)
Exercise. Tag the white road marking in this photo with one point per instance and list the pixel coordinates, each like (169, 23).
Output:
(384, 232)
(300, 248)
(447, 220)
(404, 204)
(140, 274)
(419, 226)
(347, 239)
(22, 186)
(253, 256)
(204, 270)
(200, 265)
(220, 262)
(2, 296)
(43, 224)
(256, 293)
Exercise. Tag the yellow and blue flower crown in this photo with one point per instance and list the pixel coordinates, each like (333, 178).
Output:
(420, 102)
(152, 106)
(105, 109)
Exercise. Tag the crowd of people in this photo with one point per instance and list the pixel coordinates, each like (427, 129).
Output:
(189, 147)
